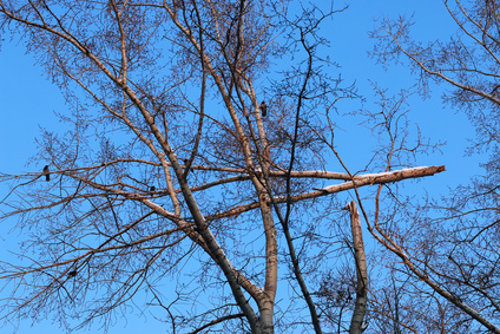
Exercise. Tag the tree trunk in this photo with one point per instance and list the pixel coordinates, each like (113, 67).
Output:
(265, 324)
(361, 272)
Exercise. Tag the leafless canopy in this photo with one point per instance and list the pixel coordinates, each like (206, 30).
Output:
(170, 185)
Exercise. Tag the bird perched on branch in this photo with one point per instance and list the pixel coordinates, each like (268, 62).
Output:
(263, 108)
(46, 172)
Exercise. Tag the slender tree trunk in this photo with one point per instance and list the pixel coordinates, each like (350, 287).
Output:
(265, 324)
(361, 272)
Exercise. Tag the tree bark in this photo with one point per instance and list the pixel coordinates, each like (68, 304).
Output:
(358, 315)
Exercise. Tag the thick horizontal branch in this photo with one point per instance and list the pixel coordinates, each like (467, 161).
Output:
(355, 182)
(378, 178)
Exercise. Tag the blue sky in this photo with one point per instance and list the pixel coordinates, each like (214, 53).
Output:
(29, 101)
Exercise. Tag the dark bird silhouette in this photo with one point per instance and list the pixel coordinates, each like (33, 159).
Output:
(152, 188)
(263, 108)
(72, 273)
(46, 173)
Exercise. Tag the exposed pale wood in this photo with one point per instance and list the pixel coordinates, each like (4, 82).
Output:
(359, 181)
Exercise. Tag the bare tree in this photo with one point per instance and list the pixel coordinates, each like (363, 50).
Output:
(453, 245)
(169, 180)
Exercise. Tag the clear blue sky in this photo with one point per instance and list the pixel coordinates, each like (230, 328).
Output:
(29, 100)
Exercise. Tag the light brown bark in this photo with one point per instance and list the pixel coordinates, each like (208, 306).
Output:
(356, 326)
